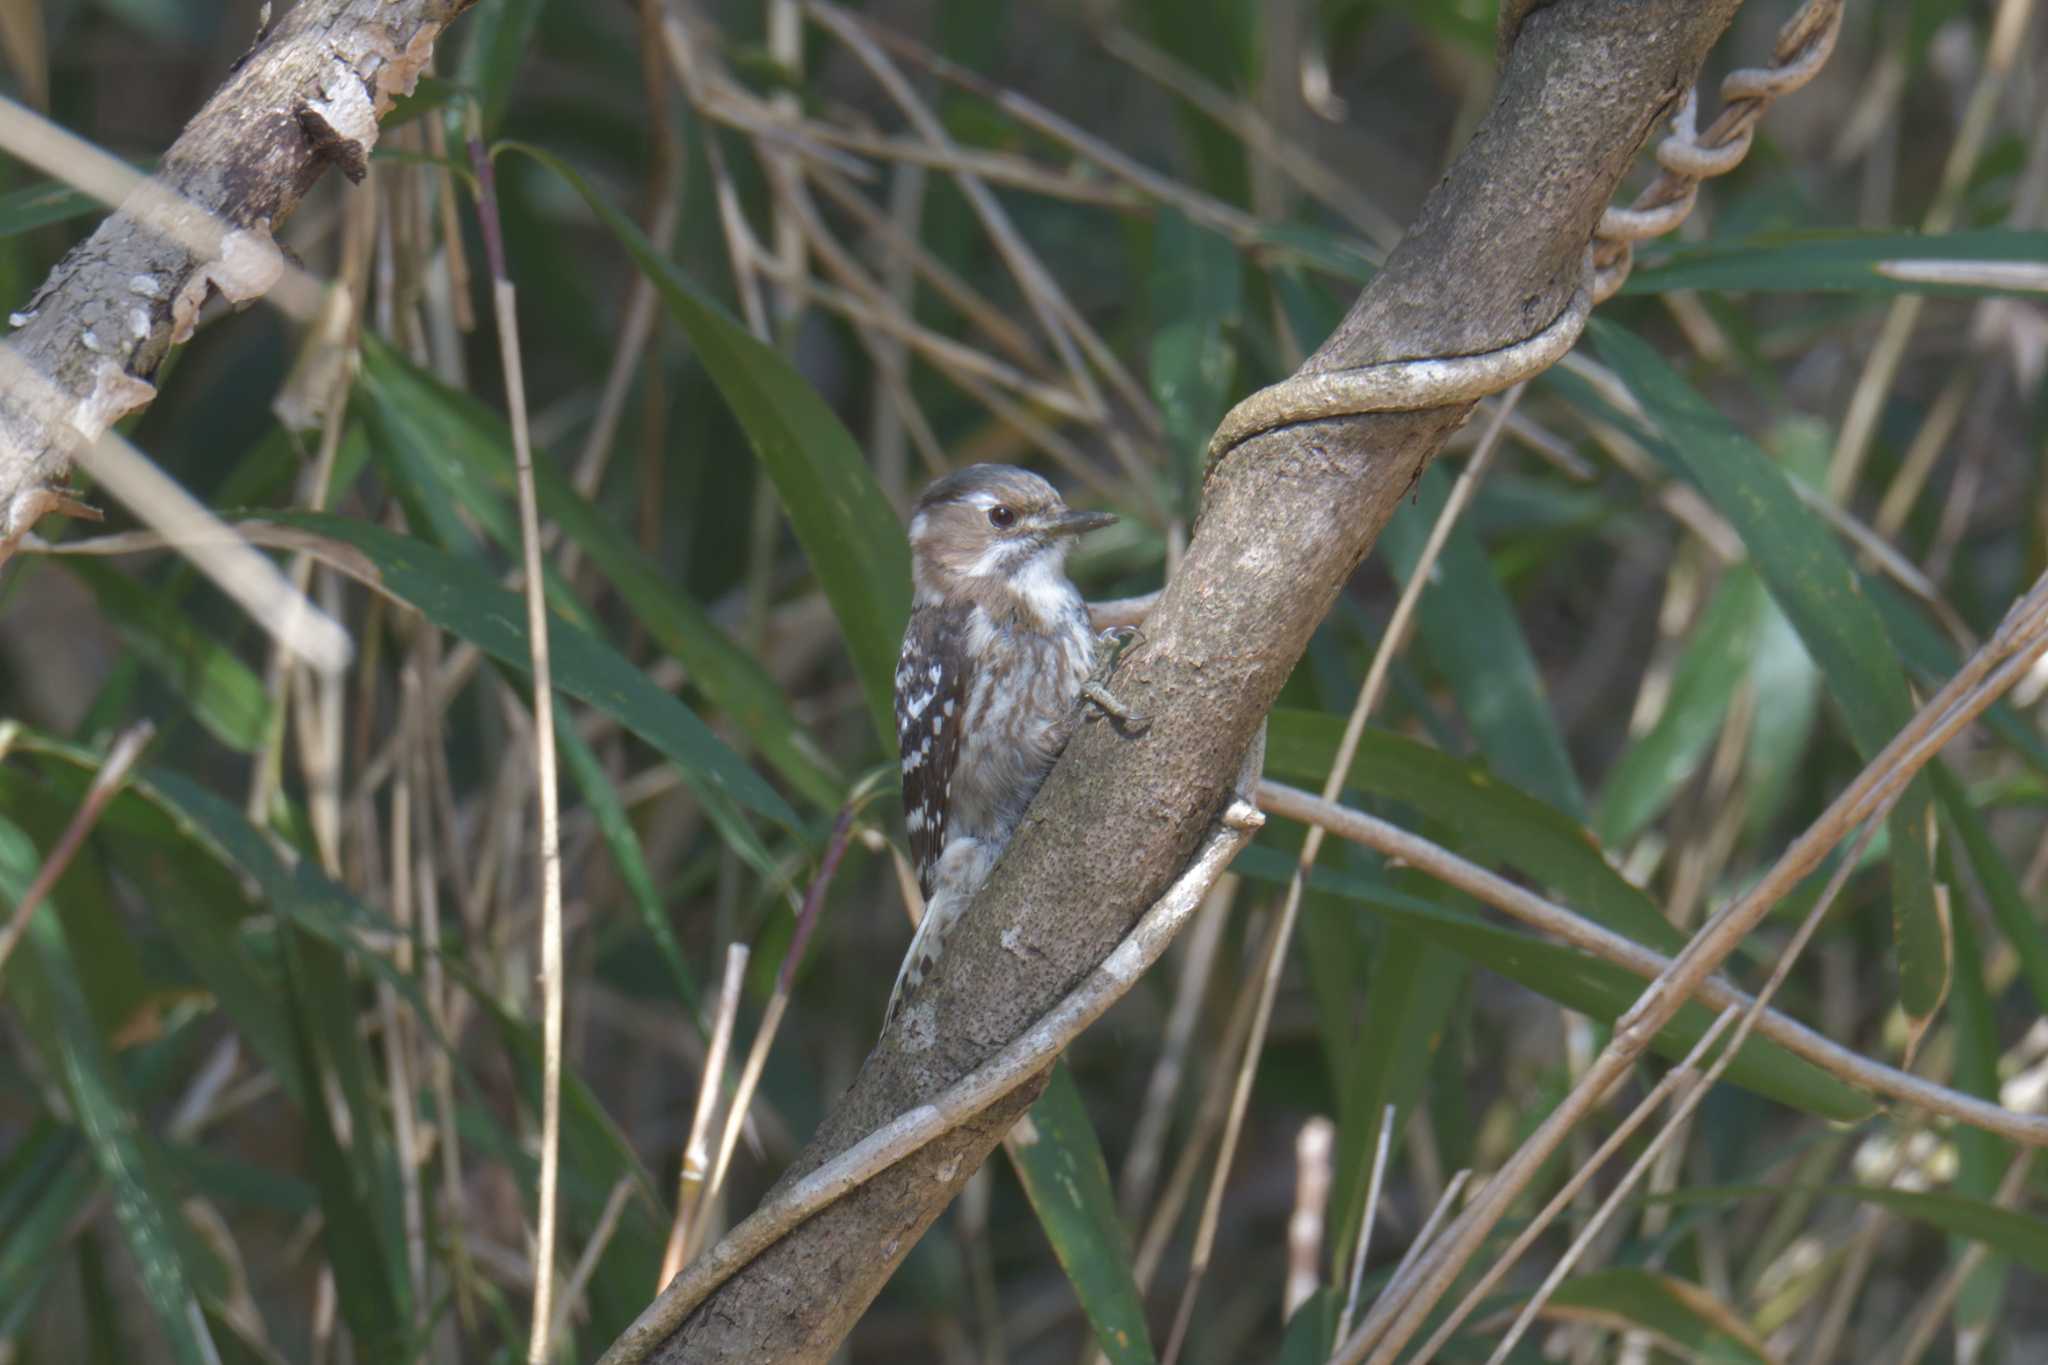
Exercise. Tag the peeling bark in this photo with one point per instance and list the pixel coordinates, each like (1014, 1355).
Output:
(308, 94)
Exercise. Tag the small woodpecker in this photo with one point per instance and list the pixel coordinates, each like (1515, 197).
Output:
(996, 663)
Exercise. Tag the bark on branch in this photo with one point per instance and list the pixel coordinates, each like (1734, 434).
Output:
(308, 95)
(1495, 258)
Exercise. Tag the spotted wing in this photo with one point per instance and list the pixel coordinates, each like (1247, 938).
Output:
(931, 704)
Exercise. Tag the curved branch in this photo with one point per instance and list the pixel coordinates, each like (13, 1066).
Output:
(310, 93)
(1495, 257)
(1016, 1067)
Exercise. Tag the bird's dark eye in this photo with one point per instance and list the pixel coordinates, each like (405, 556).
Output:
(1001, 517)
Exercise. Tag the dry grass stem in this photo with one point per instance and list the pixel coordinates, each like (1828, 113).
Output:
(1859, 422)
(1312, 1176)
(1366, 1220)
(1691, 1089)
(1259, 136)
(696, 1169)
(548, 856)
(1140, 1174)
(1276, 798)
(106, 785)
(1987, 674)
(1369, 693)
(1012, 1066)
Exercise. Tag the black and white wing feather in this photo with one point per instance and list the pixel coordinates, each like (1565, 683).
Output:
(931, 706)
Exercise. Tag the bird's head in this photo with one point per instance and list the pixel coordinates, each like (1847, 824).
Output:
(991, 525)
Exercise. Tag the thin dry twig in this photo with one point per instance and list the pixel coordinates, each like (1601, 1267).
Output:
(771, 1018)
(106, 785)
(1074, 340)
(1015, 1064)
(1988, 673)
(1259, 136)
(1365, 1222)
(1369, 693)
(593, 1252)
(696, 1158)
(1927, 1318)
(1866, 402)
(504, 300)
(1692, 1088)
(1312, 1147)
(1276, 798)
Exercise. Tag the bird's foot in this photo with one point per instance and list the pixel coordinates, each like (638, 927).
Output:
(1109, 648)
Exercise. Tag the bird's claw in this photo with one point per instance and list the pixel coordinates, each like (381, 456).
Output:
(1108, 703)
(1095, 691)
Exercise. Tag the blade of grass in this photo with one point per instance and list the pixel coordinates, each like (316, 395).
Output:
(55, 1007)
(1059, 1161)
(836, 508)
(467, 444)
(1840, 262)
(459, 597)
(1814, 583)
(1716, 658)
(1579, 982)
(1468, 626)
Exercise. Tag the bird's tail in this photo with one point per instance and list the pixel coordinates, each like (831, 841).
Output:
(925, 946)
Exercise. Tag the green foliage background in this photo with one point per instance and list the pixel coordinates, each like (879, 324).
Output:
(269, 1066)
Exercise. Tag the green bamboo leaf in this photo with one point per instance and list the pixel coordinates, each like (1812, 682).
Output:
(499, 35)
(1580, 982)
(1414, 988)
(317, 923)
(1682, 1313)
(1716, 658)
(51, 201)
(1311, 1332)
(1838, 262)
(456, 595)
(1981, 1157)
(2021, 1236)
(199, 905)
(1467, 623)
(1468, 626)
(168, 809)
(357, 1184)
(1332, 253)
(619, 836)
(468, 450)
(845, 524)
(118, 989)
(223, 693)
(54, 1004)
(1782, 671)
(230, 1178)
(596, 1156)
(1197, 292)
(1813, 581)
(1489, 820)
(39, 1205)
(1059, 1160)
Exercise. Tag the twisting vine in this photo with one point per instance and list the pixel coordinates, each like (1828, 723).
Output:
(1684, 158)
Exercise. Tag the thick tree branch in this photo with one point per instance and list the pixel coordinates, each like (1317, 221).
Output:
(309, 94)
(1495, 258)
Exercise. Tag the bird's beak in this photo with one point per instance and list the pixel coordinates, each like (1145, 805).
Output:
(1079, 523)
